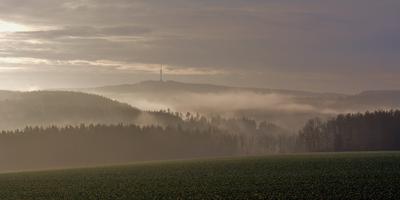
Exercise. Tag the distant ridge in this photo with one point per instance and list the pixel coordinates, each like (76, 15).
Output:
(380, 92)
(175, 86)
(287, 108)
(365, 100)
(385, 98)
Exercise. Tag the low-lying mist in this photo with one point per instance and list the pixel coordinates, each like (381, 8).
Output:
(290, 109)
(164, 120)
(285, 110)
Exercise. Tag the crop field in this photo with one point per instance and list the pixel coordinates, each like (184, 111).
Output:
(304, 176)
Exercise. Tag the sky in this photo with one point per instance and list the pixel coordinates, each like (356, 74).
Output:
(329, 46)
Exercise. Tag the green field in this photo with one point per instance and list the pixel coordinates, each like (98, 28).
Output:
(312, 176)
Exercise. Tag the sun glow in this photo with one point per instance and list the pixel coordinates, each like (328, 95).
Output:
(9, 27)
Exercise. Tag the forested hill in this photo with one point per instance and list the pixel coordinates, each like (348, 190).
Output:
(43, 108)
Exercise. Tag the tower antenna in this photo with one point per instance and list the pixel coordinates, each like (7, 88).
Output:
(161, 73)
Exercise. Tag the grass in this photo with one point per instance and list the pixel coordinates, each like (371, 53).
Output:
(312, 176)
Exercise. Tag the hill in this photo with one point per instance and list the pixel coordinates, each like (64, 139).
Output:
(378, 98)
(43, 108)
(286, 108)
(179, 87)
(388, 98)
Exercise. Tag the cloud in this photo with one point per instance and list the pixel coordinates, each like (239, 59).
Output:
(85, 32)
(281, 37)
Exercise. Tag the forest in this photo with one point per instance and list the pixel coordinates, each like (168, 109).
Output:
(95, 144)
(186, 135)
(369, 131)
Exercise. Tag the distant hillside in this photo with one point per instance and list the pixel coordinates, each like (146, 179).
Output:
(386, 98)
(19, 109)
(381, 98)
(285, 107)
(176, 87)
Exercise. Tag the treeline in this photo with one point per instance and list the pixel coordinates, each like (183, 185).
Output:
(196, 136)
(370, 131)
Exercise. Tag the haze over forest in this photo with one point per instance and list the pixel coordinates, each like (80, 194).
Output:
(288, 108)
(158, 120)
(81, 81)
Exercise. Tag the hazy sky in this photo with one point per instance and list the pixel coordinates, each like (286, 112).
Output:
(340, 45)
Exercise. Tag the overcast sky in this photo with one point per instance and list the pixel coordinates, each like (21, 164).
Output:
(337, 46)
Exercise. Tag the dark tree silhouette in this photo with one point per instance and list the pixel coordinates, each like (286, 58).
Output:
(379, 130)
(196, 136)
